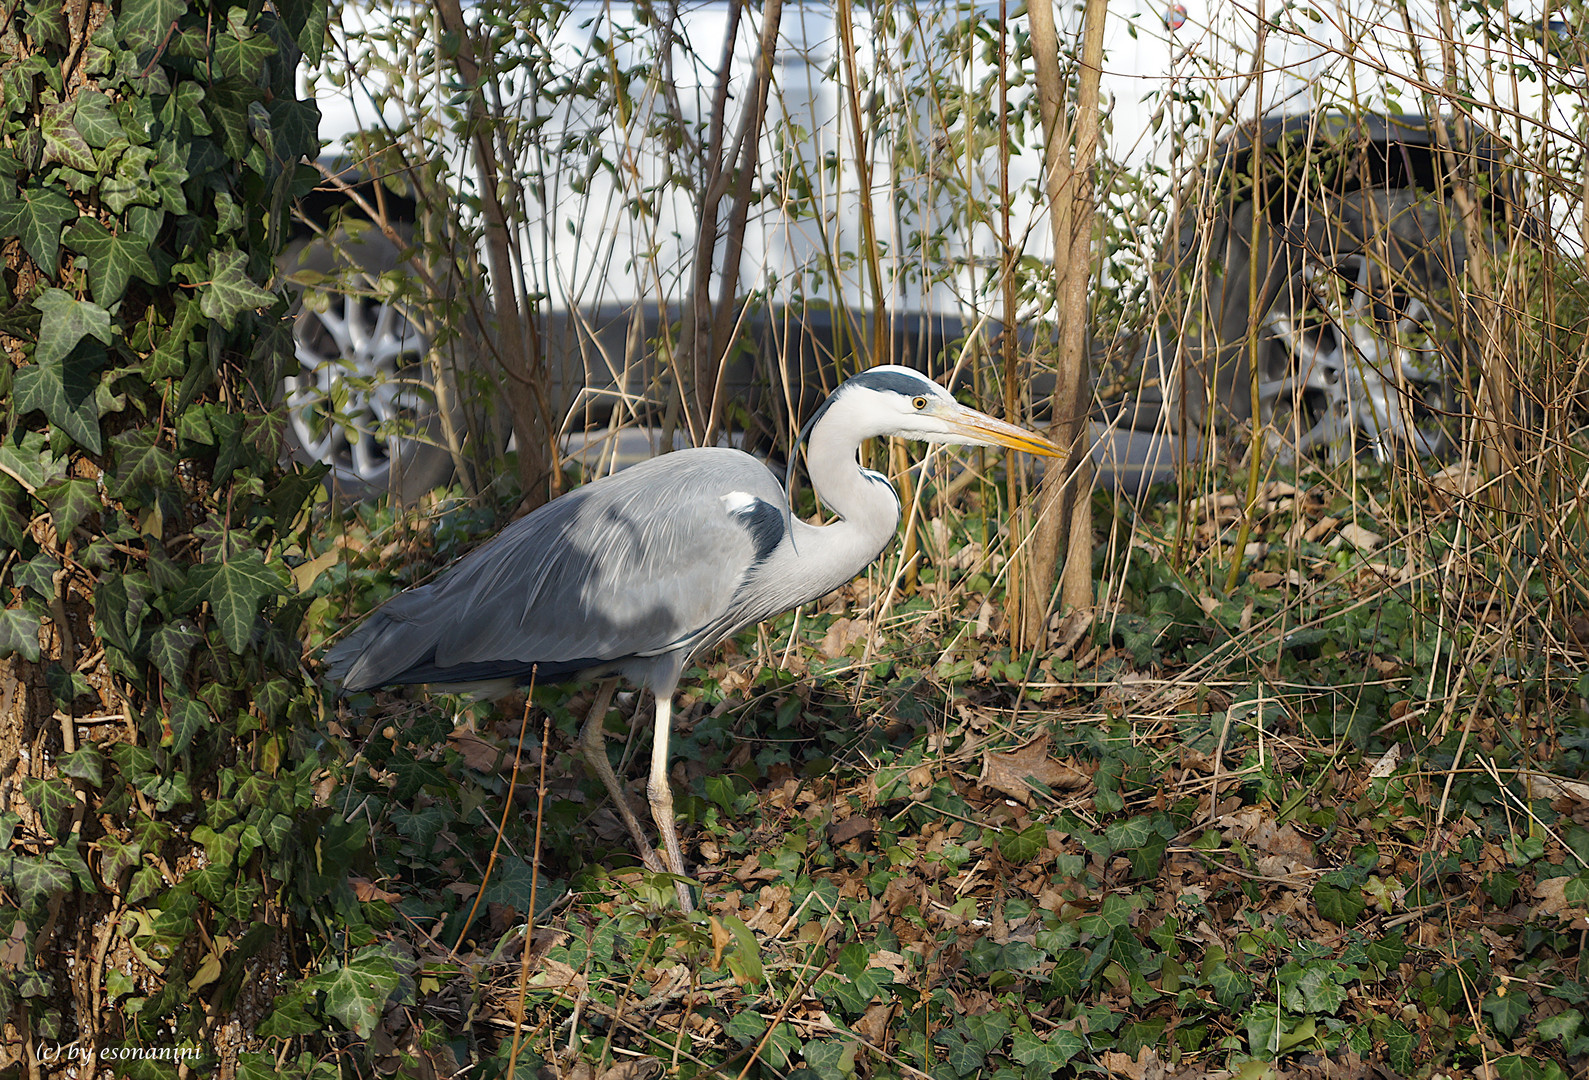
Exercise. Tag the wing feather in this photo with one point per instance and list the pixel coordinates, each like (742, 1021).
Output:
(636, 564)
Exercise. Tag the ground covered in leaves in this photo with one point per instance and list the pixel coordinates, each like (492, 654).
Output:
(1324, 823)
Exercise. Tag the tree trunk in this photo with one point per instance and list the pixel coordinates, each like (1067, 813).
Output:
(1064, 515)
(516, 341)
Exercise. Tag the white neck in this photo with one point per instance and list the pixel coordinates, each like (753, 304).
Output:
(866, 505)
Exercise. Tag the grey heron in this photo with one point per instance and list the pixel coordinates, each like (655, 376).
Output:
(634, 574)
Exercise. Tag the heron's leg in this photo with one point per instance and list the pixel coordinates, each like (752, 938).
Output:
(593, 744)
(661, 795)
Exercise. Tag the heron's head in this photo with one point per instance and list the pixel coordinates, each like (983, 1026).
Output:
(892, 400)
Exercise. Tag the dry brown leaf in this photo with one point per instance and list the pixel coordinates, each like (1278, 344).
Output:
(1552, 893)
(1145, 1066)
(1252, 827)
(556, 975)
(479, 755)
(1360, 538)
(634, 1069)
(873, 1025)
(366, 890)
(841, 635)
(1540, 785)
(1008, 773)
(1320, 528)
(851, 827)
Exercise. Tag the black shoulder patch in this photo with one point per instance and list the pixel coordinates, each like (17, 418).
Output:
(765, 523)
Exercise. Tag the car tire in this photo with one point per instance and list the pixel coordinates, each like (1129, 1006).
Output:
(370, 398)
(1356, 349)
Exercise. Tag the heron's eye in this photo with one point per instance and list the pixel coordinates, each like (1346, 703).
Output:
(920, 403)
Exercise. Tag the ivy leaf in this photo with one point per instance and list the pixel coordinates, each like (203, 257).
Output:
(1506, 1009)
(66, 321)
(1026, 845)
(167, 176)
(1340, 906)
(19, 634)
(70, 501)
(1046, 1057)
(356, 993)
(171, 647)
(140, 461)
(35, 217)
(239, 51)
(94, 120)
(188, 717)
(112, 259)
(130, 184)
(39, 878)
(84, 763)
(986, 1030)
(306, 19)
(1231, 987)
(230, 292)
(143, 23)
(296, 126)
(29, 457)
(1316, 991)
(235, 592)
(66, 392)
(116, 857)
(54, 802)
(1564, 1025)
(62, 141)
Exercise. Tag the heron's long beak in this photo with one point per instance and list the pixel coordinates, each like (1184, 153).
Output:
(976, 427)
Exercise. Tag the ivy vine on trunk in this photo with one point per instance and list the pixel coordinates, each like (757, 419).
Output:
(158, 831)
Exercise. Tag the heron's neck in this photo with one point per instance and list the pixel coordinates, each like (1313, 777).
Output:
(865, 502)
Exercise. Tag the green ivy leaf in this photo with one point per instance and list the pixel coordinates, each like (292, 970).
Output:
(1506, 1009)
(1564, 1025)
(46, 23)
(187, 718)
(229, 292)
(35, 217)
(19, 634)
(306, 20)
(84, 763)
(53, 800)
(140, 461)
(1316, 991)
(70, 502)
(62, 141)
(1340, 906)
(112, 260)
(1046, 1057)
(239, 51)
(65, 321)
(171, 646)
(38, 878)
(1026, 845)
(986, 1030)
(143, 24)
(116, 857)
(235, 592)
(356, 993)
(94, 120)
(1231, 987)
(296, 127)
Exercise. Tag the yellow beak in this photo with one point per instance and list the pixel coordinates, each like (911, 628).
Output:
(980, 428)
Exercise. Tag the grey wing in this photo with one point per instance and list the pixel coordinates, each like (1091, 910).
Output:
(642, 563)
